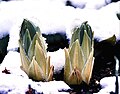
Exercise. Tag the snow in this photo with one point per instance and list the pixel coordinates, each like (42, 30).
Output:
(97, 4)
(57, 59)
(19, 85)
(91, 4)
(13, 83)
(108, 85)
(61, 18)
(17, 82)
(52, 16)
(12, 62)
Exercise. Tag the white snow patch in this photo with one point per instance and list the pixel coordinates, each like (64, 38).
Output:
(17, 82)
(90, 4)
(52, 17)
(14, 36)
(12, 62)
(55, 86)
(57, 59)
(96, 4)
(108, 85)
(19, 85)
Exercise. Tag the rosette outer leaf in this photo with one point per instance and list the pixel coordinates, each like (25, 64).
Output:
(33, 53)
(79, 58)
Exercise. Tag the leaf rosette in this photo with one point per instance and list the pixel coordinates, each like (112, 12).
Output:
(79, 58)
(33, 53)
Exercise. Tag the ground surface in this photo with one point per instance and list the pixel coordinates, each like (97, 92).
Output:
(104, 66)
(104, 60)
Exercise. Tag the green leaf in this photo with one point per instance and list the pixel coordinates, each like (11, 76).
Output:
(35, 71)
(89, 31)
(76, 56)
(23, 29)
(48, 67)
(86, 45)
(82, 28)
(88, 67)
(40, 57)
(26, 41)
(38, 31)
(50, 76)
(32, 46)
(24, 59)
(43, 44)
(67, 66)
(78, 33)
(111, 40)
(75, 35)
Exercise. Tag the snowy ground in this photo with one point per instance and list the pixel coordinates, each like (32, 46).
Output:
(51, 16)
(17, 81)
(108, 85)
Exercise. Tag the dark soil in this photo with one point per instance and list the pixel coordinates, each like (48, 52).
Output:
(3, 47)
